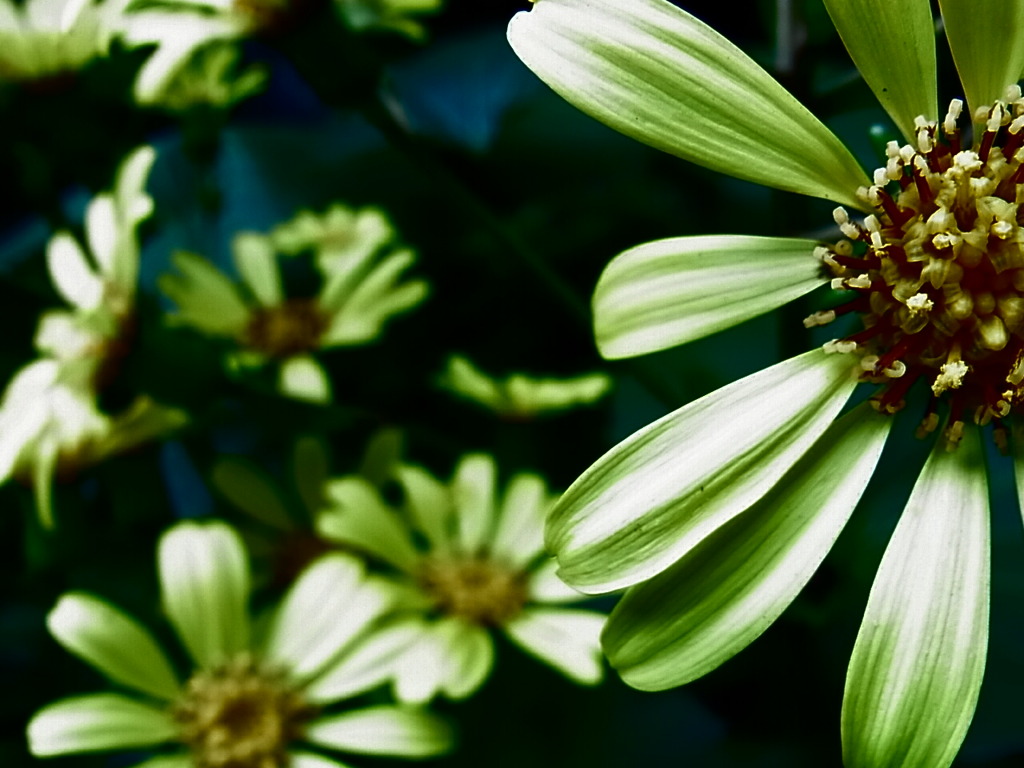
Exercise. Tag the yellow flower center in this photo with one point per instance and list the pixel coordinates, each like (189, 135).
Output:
(475, 589)
(288, 329)
(240, 715)
(937, 272)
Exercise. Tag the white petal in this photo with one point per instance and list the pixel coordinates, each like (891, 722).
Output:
(303, 378)
(101, 230)
(422, 670)
(430, 504)
(653, 497)
(657, 74)
(546, 586)
(470, 657)
(97, 722)
(332, 603)
(310, 760)
(72, 274)
(204, 577)
(519, 537)
(919, 658)
(567, 639)
(473, 495)
(113, 642)
(383, 730)
(669, 292)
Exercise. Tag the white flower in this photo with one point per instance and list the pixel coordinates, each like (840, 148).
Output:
(246, 701)
(473, 563)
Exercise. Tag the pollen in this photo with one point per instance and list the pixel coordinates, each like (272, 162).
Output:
(936, 271)
(240, 715)
(476, 589)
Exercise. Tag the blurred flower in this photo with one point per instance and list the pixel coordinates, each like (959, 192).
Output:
(393, 15)
(50, 420)
(245, 702)
(211, 78)
(337, 235)
(358, 295)
(519, 396)
(472, 564)
(43, 39)
(717, 515)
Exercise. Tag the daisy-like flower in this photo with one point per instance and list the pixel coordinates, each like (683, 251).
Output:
(212, 78)
(473, 564)
(715, 516)
(337, 235)
(44, 39)
(245, 703)
(521, 397)
(50, 420)
(358, 296)
(394, 15)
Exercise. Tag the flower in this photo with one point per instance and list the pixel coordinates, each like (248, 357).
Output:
(335, 236)
(393, 15)
(715, 516)
(519, 396)
(49, 38)
(245, 702)
(211, 77)
(50, 420)
(472, 564)
(358, 295)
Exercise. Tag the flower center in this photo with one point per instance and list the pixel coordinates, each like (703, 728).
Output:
(287, 329)
(476, 589)
(937, 272)
(240, 715)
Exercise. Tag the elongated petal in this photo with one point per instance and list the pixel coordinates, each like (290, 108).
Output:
(303, 378)
(101, 230)
(469, 658)
(183, 760)
(383, 730)
(565, 638)
(519, 537)
(892, 42)
(651, 498)
(204, 575)
(657, 74)
(669, 292)
(113, 642)
(918, 661)
(473, 495)
(369, 664)
(987, 40)
(726, 591)
(358, 516)
(429, 503)
(546, 586)
(71, 272)
(311, 760)
(250, 490)
(97, 722)
(330, 604)
(255, 262)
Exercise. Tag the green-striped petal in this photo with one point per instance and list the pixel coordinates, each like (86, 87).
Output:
(987, 40)
(113, 642)
(469, 656)
(383, 730)
(669, 292)
(892, 42)
(918, 661)
(657, 74)
(651, 498)
(204, 576)
(97, 722)
(730, 588)
(567, 639)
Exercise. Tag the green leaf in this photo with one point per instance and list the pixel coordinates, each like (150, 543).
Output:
(729, 589)
(892, 42)
(251, 491)
(657, 494)
(657, 74)
(919, 657)
(672, 291)
(987, 40)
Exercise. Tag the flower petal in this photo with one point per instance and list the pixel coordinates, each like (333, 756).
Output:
(73, 276)
(567, 639)
(651, 498)
(729, 588)
(987, 40)
(519, 537)
(205, 296)
(311, 760)
(357, 515)
(183, 760)
(204, 575)
(546, 586)
(473, 496)
(250, 490)
(256, 263)
(97, 722)
(669, 292)
(429, 503)
(469, 657)
(332, 602)
(893, 46)
(369, 664)
(657, 74)
(303, 378)
(918, 661)
(421, 672)
(113, 642)
(383, 730)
